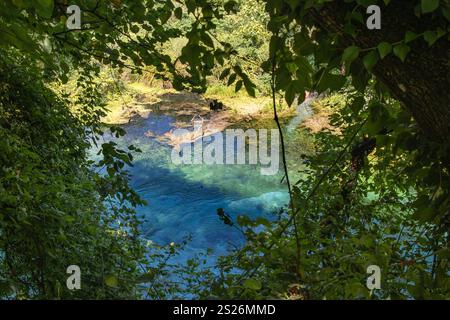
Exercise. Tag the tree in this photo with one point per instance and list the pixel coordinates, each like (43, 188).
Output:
(420, 40)
(408, 55)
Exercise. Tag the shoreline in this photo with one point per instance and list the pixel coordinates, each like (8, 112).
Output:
(187, 107)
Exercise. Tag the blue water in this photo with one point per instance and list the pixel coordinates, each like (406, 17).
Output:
(183, 200)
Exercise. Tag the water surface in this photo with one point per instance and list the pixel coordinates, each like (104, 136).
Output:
(183, 200)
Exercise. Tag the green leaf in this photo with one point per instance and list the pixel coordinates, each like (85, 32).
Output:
(370, 60)
(147, 277)
(350, 54)
(206, 39)
(252, 284)
(410, 36)
(230, 6)
(429, 5)
(402, 51)
(18, 3)
(238, 86)
(238, 70)
(111, 281)
(303, 45)
(21, 40)
(178, 12)
(330, 81)
(111, 171)
(44, 8)
(357, 104)
(231, 79)
(432, 36)
(250, 87)
(224, 73)
(134, 29)
(165, 15)
(289, 96)
(303, 65)
(384, 49)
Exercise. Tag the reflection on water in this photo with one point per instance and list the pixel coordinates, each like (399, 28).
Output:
(183, 200)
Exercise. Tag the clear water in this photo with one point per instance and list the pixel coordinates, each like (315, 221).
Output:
(183, 200)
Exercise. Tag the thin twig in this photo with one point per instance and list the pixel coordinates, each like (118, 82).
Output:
(286, 174)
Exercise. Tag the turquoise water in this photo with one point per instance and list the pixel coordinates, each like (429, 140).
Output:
(183, 200)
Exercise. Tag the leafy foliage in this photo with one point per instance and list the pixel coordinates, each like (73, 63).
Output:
(390, 212)
(54, 210)
(381, 187)
(380, 193)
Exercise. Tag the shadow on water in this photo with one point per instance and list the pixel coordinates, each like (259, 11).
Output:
(179, 206)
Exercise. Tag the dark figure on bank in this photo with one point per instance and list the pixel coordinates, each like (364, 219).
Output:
(215, 105)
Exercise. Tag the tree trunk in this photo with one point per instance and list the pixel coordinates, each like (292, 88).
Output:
(421, 83)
